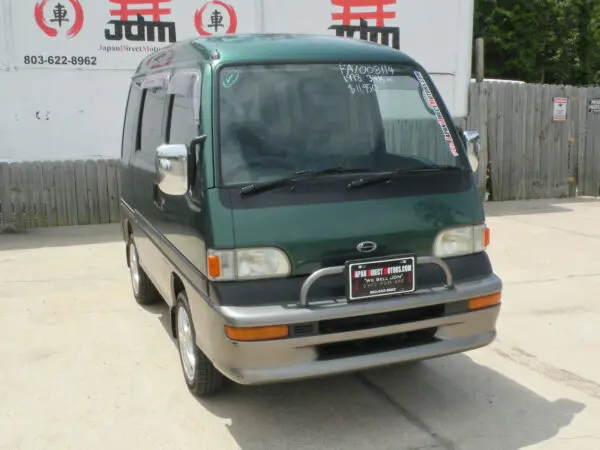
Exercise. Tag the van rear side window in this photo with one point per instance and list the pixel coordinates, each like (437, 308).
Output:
(132, 113)
(152, 120)
(138, 135)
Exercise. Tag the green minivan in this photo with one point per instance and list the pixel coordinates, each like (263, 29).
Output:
(305, 206)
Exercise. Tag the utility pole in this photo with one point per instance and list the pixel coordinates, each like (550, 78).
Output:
(586, 43)
(479, 60)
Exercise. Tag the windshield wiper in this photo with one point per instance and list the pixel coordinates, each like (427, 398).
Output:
(262, 187)
(387, 176)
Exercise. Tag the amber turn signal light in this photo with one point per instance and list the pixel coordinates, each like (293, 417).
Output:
(214, 266)
(486, 237)
(485, 302)
(254, 334)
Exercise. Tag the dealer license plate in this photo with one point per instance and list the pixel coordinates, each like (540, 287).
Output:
(380, 277)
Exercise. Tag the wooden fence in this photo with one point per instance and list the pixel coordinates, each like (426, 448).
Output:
(58, 193)
(530, 155)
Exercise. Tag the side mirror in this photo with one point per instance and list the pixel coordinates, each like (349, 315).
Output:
(172, 169)
(473, 141)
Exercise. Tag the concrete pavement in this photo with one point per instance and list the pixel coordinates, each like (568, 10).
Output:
(83, 367)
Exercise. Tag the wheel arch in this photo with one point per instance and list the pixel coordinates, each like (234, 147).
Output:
(127, 228)
(177, 286)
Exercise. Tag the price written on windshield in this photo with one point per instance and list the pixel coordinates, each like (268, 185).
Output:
(363, 79)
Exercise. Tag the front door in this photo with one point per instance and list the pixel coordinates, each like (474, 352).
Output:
(181, 219)
(150, 135)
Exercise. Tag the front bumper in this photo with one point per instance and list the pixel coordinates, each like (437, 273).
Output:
(445, 327)
(311, 369)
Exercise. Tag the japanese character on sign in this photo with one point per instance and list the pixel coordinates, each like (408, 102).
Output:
(347, 14)
(142, 28)
(59, 14)
(215, 17)
(216, 20)
(353, 10)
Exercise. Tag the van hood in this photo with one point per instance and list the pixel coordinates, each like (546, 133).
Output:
(327, 234)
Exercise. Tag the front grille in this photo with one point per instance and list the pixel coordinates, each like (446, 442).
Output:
(347, 349)
(304, 330)
(366, 322)
(380, 320)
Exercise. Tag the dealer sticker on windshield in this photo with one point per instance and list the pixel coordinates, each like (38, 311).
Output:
(438, 114)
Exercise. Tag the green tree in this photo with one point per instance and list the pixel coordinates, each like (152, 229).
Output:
(540, 41)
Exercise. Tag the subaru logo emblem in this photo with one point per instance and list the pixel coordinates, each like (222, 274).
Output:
(366, 247)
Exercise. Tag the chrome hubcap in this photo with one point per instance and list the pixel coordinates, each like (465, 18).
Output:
(186, 343)
(134, 268)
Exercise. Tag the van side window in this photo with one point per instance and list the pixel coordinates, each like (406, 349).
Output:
(152, 120)
(182, 126)
(138, 124)
(184, 116)
(184, 106)
(132, 112)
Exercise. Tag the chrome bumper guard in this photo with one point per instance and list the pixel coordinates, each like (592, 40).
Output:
(336, 270)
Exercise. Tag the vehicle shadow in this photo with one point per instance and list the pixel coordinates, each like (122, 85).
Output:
(542, 206)
(450, 402)
(161, 312)
(419, 405)
(60, 237)
(474, 406)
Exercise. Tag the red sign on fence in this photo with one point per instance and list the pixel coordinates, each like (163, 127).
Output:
(560, 109)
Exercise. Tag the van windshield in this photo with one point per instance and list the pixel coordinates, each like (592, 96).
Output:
(275, 120)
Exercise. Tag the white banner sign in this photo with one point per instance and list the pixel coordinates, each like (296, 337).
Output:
(116, 34)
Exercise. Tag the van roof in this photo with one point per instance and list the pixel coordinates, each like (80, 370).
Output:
(245, 48)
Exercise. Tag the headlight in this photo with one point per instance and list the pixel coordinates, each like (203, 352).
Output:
(262, 262)
(461, 241)
(243, 264)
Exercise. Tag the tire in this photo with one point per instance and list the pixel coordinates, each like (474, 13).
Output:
(143, 290)
(201, 376)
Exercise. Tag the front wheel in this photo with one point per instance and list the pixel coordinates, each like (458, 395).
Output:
(201, 376)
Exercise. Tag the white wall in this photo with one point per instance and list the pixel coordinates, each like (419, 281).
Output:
(50, 111)
(50, 114)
